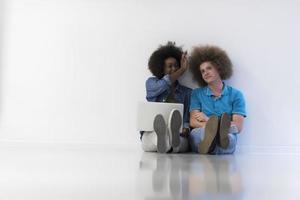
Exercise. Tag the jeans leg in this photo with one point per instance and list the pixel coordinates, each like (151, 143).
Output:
(231, 147)
(195, 137)
(183, 146)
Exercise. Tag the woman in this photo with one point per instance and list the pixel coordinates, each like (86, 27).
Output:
(167, 64)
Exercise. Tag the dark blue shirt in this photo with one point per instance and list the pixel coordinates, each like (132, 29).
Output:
(159, 89)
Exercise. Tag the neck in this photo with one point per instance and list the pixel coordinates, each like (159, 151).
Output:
(216, 87)
(174, 84)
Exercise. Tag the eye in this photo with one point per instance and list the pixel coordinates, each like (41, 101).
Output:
(175, 65)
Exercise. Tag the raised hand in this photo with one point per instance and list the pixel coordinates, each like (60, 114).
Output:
(184, 61)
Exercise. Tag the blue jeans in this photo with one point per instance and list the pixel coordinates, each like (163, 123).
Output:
(197, 135)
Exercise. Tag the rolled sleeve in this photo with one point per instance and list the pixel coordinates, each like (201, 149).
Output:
(167, 79)
(239, 105)
(155, 87)
(195, 101)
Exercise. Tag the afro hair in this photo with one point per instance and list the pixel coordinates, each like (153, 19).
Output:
(213, 54)
(157, 59)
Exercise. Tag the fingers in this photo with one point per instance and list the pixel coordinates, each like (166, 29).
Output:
(184, 55)
(184, 60)
(200, 117)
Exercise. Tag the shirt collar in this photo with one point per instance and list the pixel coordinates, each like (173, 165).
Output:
(224, 90)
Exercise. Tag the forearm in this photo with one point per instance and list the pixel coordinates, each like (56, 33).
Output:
(238, 121)
(174, 76)
(194, 123)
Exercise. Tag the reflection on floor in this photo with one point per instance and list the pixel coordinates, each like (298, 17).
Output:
(97, 172)
(191, 177)
(239, 176)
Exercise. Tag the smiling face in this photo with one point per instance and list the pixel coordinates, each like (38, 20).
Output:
(171, 65)
(209, 73)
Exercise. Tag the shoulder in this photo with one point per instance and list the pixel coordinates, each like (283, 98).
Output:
(151, 79)
(185, 89)
(199, 90)
(236, 93)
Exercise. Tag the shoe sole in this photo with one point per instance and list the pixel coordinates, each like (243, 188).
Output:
(225, 123)
(210, 132)
(175, 123)
(160, 129)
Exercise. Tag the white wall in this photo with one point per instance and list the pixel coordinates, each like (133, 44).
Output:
(74, 70)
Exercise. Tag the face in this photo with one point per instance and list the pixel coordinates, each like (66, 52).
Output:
(209, 73)
(171, 65)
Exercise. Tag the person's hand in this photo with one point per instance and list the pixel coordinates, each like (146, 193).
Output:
(183, 67)
(201, 117)
(184, 61)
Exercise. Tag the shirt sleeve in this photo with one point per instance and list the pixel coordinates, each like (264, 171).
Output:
(155, 87)
(195, 101)
(239, 105)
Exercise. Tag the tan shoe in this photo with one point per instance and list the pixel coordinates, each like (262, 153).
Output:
(225, 122)
(210, 132)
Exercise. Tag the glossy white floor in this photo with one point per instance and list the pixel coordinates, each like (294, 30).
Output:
(65, 171)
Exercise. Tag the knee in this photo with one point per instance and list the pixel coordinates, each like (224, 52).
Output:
(232, 139)
(196, 131)
(196, 134)
(192, 136)
(195, 138)
(232, 143)
(233, 129)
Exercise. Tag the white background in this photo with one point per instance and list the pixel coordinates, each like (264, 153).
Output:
(73, 71)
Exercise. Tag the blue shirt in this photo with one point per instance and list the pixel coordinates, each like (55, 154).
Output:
(158, 90)
(231, 101)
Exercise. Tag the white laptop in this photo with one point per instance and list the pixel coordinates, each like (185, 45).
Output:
(147, 111)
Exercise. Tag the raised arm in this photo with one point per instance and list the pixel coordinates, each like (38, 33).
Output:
(183, 67)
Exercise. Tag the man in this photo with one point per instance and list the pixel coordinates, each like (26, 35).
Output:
(217, 110)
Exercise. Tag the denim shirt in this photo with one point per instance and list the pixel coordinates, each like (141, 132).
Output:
(159, 89)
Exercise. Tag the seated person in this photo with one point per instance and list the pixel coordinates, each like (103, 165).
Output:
(167, 64)
(217, 109)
